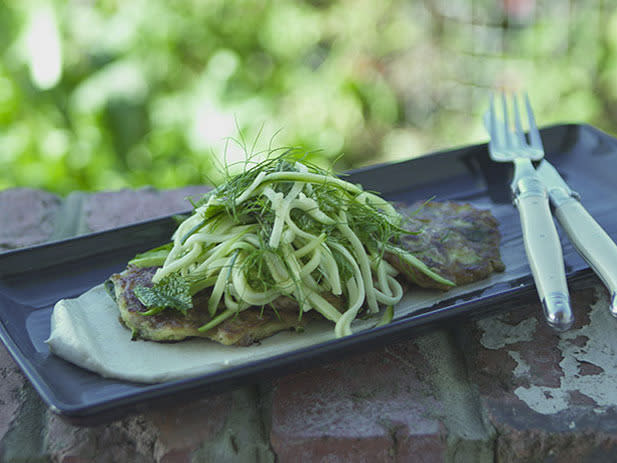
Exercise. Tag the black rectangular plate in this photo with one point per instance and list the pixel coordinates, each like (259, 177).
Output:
(32, 280)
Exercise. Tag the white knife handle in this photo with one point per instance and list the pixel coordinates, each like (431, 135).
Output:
(592, 242)
(544, 252)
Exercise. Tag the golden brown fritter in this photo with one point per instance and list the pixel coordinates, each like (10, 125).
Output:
(457, 241)
(242, 329)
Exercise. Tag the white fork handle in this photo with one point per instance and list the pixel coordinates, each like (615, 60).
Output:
(592, 242)
(544, 251)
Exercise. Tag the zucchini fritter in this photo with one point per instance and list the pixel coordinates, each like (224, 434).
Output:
(458, 241)
(243, 329)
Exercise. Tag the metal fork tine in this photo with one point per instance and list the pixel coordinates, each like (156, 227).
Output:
(534, 133)
(506, 122)
(517, 122)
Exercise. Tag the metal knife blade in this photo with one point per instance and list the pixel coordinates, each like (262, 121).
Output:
(588, 237)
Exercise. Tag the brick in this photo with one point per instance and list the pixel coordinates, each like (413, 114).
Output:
(241, 435)
(166, 435)
(373, 407)
(27, 217)
(69, 444)
(116, 208)
(21, 415)
(130, 439)
(183, 430)
(11, 400)
(548, 394)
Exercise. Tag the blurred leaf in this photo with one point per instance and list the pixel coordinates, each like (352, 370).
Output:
(149, 91)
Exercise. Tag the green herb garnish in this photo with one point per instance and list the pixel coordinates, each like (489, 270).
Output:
(172, 291)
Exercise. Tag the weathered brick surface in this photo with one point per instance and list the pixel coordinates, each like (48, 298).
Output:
(131, 439)
(26, 217)
(551, 397)
(166, 435)
(115, 208)
(373, 407)
(10, 398)
(182, 430)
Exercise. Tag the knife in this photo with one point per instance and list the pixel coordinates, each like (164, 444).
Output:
(588, 237)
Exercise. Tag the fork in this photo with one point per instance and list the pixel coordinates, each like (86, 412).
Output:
(542, 246)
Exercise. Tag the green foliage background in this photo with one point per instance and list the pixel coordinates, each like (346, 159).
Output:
(110, 94)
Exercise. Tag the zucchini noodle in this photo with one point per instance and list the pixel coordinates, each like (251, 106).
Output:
(287, 229)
